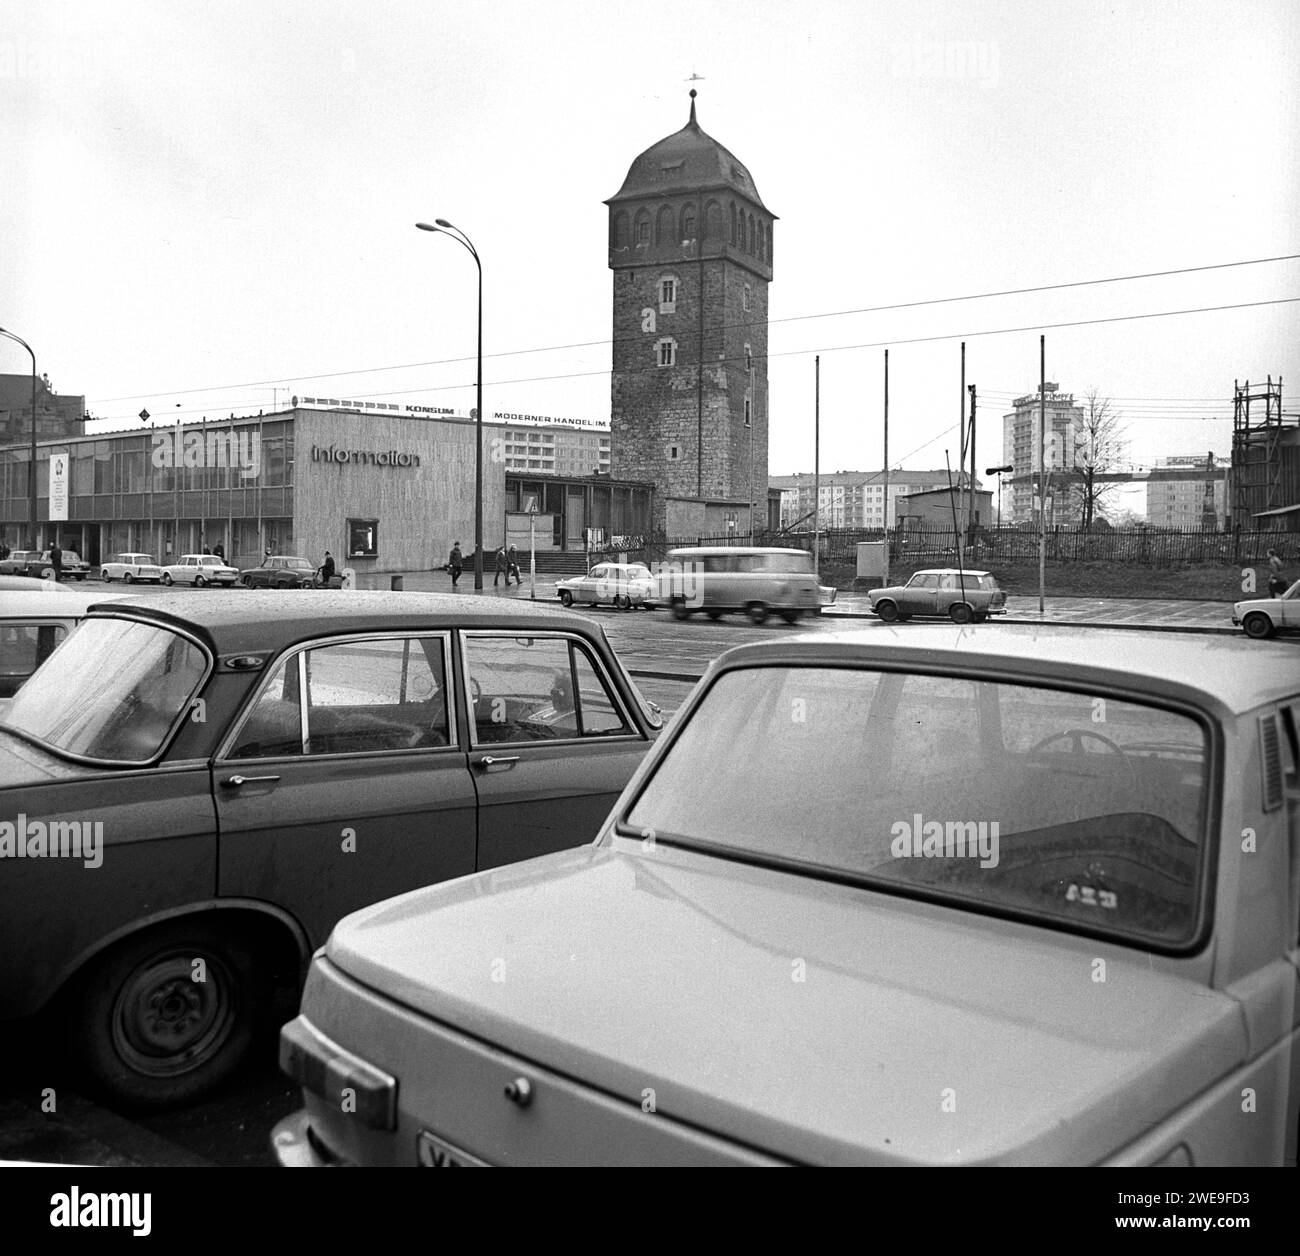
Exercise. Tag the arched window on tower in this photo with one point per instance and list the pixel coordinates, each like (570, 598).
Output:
(664, 225)
(771, 240)
(733, 222)
(688, 222)
(713, 221)
(751, 244)
(762, 241)
(642, 238)
(618, 237)
(740, 239)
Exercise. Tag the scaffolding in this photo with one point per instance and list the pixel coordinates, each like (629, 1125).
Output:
(1257, 451)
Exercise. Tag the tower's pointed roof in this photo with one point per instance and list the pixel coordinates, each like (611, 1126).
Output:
(687, 160)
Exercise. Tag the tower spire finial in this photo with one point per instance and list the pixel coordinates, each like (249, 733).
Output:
(692, 121)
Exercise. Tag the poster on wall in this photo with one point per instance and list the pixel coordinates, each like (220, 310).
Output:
(58, 487)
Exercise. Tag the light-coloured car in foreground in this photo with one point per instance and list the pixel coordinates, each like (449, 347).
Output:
(959, 896)
(1263, 616)
(198, 570)
(962, 596)
(621, 585)
(131, 567)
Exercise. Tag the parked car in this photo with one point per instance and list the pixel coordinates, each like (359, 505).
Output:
(622, 585)
(200, 569)
(32, 623)
(130, 568)
(935, 899)
(280, 571)
(1262, 617)
(962, 596)
(343, 751)
(757, 581)
(37, 564)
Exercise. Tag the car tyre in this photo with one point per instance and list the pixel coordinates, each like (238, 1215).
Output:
(566, 598)
(246, 581)
(680, 609)
(757, 613)
(888, 611)
(128, 578)
(199, 582)
(960, 613)
(148, 1033)
(1257, 625)
(167, 578)
(791, 617)
(714, 615)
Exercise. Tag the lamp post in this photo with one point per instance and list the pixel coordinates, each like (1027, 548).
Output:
(31, 478)
(999, 472)
(445, 228)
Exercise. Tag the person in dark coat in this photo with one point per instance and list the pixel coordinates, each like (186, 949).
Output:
(512, 567)
(455, 564)
(327, 569)
(56, 560)
(503, 567)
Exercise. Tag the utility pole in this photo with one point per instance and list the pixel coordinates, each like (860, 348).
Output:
(886, 584)
(970, 526)
(817, 464)
(961, 431)
(1042, 471)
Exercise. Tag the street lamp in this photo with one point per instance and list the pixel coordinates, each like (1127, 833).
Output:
(999, 472)
(442, 226)
(31, 478)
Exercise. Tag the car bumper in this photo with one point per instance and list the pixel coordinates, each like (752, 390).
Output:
(294, 1146)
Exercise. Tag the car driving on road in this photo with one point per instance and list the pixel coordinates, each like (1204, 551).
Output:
(1263, 616)
(214, 779)
(756, 581)
(948, 897)
(962, 596)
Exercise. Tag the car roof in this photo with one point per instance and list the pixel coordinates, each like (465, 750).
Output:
(1237, 674)
(950, 571)
(47, 604)
(30, 584)
(709, 550)
(258, 620)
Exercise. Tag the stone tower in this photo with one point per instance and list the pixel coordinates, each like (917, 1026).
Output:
(690, 245)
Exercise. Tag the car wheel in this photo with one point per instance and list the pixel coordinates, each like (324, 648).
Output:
(888, 611)
(960, 613)
(680, 609)
(1257, 625)
(790, 617)
(566, 598)
(199, 582)
(757, 613)
(166, 1016)
(167, 578)
(105, 577)
(128, 578)
(246, 581)
(714, 615)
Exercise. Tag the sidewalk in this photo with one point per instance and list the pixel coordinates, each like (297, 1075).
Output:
(1173, 615)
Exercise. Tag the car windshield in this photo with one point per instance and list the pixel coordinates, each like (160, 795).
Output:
(112, 692)
(1074, 808)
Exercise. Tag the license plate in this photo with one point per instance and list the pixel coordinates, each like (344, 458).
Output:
(437, 1153)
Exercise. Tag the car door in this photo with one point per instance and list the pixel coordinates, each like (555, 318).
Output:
(591, 585)
(344, 781)
(919, 595)
(553, 742)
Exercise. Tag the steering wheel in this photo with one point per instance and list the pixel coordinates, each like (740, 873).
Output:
(1076, 736)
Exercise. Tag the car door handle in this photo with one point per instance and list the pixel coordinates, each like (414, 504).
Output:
(490, 761)
(234, 782)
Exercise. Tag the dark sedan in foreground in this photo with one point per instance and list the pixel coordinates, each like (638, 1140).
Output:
(193, 789)
(952, 897)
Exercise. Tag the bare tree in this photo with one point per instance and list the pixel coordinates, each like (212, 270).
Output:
(1098, 448)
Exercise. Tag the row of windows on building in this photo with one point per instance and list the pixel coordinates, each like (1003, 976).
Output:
(671, 226)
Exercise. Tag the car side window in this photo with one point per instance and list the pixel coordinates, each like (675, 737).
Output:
(23, 648)
(947, 582)
(362, 696)
(386, 694)
(537, 689)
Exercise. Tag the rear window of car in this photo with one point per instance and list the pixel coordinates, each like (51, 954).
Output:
(1075, 808)
(111, 693)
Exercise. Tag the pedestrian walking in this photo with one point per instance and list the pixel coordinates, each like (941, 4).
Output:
(455, 564)
(512, 567)
(503, 567)
(1276, 584)
(56, 560)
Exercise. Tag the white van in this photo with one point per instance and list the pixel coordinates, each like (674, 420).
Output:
(718, 579)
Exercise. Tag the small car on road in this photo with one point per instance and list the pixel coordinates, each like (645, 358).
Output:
(946, 897)
(36, 563)
(622, 585)
(1263, 616)
(199, 570)
(962, 596)
(131, 567)
(280, 571)
(214, 779)
(753, 580)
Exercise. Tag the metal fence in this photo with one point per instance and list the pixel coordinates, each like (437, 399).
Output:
(1149, 547)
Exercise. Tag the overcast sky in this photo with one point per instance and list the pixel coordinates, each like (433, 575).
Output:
(210, 207)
